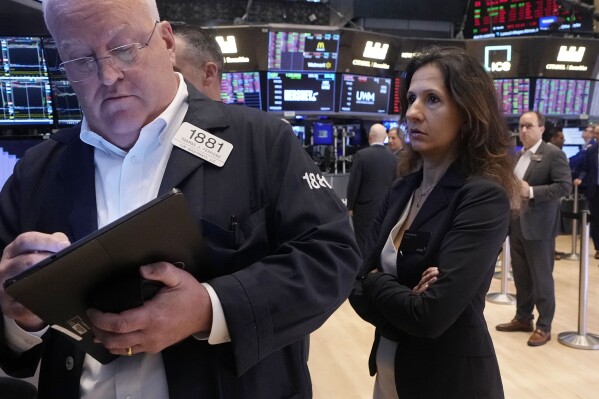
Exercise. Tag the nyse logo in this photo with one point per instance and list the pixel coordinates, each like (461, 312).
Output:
(228, 45)
(498, 58)
(572, 54)
(377, 51)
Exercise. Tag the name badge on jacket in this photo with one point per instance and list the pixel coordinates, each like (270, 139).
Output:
(536, 157)
(414, 242)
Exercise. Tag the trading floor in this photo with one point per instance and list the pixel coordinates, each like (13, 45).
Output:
(339, 350)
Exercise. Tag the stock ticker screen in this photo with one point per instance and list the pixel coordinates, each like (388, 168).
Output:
(25, 93)
(513, 95)
(564, 97)
(303, 51)
(66, 106)
(492, 18)
(242, 88)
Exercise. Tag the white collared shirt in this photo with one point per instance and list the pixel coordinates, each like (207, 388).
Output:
(524, 163)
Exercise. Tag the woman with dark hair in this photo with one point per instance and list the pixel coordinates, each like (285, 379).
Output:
(433, 248)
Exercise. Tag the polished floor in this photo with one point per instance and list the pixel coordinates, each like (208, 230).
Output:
(339, 349)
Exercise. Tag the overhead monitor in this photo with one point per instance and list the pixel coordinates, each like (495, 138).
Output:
(505, 58)
(364, 94)
(513, 95)
(66, 106)
(492, 18)
(242, 88)
(25, 95)
(570, 58)
(367, 53)
(303, 51)
(301, 92)
(243, 47)
(562, 97)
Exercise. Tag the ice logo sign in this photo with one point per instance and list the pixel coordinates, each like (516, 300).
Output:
(498, 58)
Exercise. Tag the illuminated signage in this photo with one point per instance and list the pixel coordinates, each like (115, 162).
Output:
(498, 58)
(571, 54)
(227, 45)
(567, 57)
(371, 64)
(377, 51)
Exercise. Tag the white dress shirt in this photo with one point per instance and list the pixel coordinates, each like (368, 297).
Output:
(125, 180)
(384, 384)
(524, 163)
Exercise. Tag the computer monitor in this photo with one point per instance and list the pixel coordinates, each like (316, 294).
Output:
(66, 106)
(25, 94)
(362, 94)
(562, 97)
(301, 92)
(242, 88)
(303, 51)
(322, 133)
(513, 95)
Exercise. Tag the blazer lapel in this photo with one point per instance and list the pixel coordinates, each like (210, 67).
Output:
(533, 161)
(438, 199)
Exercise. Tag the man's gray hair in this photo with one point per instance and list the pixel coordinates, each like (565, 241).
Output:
(59, 8)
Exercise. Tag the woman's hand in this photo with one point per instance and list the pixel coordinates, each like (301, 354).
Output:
(428, 277)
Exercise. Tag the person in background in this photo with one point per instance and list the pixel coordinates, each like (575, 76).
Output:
(281, 249)
(396, 141)
(372, 172)
(556, 137)
(588, 178)
(544, 179)
(435, 241)
(199, 59)
(576, 161)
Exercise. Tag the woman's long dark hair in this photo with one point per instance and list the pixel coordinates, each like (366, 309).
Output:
(486, 145)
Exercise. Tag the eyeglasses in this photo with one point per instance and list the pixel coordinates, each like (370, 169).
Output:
(121, 57)
(526, 125)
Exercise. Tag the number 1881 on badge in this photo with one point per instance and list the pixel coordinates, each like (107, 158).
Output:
(202, 144)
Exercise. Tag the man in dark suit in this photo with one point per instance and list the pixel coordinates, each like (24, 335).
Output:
(371, 175)
(545, 179)
(588, 177)
(282, 253)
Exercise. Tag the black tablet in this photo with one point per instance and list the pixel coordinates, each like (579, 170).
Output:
(102, 269)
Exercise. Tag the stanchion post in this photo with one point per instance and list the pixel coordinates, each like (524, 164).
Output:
(573, 255)
(503, 297)
(581, 339)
